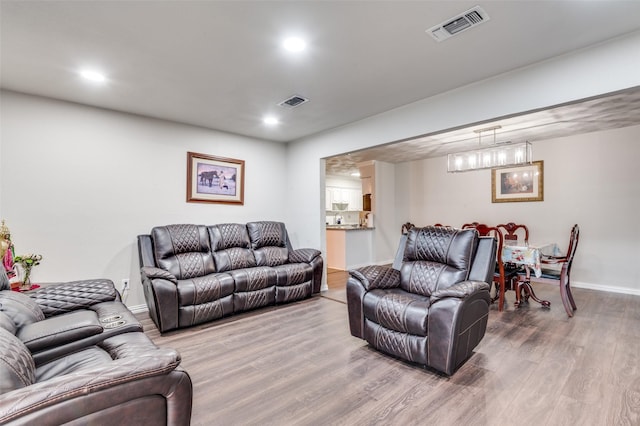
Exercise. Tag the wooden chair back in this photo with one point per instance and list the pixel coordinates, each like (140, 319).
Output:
(512, 231)
(563, 277)
(499, 277)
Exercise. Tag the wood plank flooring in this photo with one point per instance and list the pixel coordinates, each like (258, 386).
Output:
(297, 364)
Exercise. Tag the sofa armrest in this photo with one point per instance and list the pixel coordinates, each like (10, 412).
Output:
(153, 272)
(305, 255)
(456, 323)
(376, 276)
(161, 295)
(460, 290)
(64, 398)
(59, 298)
(59, 330)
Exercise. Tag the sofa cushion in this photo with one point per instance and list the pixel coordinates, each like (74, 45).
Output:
(231, 247)
(17, 368)
(89, 358)
(293, 273)
(436, 258)
(20, 308)
(397, 310)
(269, 243)
(205, 289)
(252, 279)
(7, 323)
(183, 250)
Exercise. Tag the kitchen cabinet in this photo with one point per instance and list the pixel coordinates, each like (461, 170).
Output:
(350, 196)
(367, 185)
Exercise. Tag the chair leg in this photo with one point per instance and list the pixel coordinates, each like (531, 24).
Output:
(573, 303)
(501, 296)
(564, 295)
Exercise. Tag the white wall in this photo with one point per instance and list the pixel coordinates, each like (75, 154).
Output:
(589, 179)
(604, 68)
(80, 183)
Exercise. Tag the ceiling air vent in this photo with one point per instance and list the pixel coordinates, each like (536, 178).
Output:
(458, 24)
(293, 101)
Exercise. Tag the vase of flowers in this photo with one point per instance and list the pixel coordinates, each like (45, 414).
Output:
(27, 262)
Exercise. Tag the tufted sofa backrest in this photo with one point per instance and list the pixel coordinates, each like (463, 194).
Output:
(269, 242)
(436, 257)
(17, 368)
(183, 250)
(231, 247)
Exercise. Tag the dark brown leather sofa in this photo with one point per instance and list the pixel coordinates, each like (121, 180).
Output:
(193, 274)
(433, 311)
(72, 353)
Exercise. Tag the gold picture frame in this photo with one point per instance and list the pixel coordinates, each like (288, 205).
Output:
(212, 179)
(517, 184)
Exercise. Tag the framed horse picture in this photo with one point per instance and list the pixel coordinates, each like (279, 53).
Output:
(212, 179)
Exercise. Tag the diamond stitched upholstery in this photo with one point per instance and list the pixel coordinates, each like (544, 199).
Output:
(271, 256)
(429, 311)
(391, 310)
(393, 342)
(231, 235)
(252, 262)
(185, 238)
(20, 308)
(183, 250)
(436, 257)
(231, 247)
(424, 276)
(66, 297)
(293, 273)
(17, 368)
(264, 234)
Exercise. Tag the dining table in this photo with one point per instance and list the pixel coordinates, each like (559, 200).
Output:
(529, 257)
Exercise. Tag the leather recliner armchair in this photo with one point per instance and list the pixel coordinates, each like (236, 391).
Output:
(74, 353)
(434, 310)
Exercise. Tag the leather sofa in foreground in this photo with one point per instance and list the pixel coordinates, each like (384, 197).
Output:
(73, 353)
(193, 274)
(433, 311)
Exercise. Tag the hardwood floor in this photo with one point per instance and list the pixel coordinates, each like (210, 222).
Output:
(298, 364)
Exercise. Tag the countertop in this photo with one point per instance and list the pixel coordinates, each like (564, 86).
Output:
(347, 228)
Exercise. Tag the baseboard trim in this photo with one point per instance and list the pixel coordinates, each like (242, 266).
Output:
(607, 288)
(138, 309)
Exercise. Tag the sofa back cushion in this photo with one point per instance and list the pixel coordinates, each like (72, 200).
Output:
(436, 257)
(20, 308)
(17, 368)
(183, 250)
(269, 242)
(231, 247)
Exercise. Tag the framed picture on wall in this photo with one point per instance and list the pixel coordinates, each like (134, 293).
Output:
(521, 183)
(213, 179)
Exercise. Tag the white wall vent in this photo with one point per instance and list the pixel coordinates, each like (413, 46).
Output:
(293, 101)
(457, 24)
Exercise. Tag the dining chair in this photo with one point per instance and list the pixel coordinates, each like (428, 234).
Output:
(560, 276)
(501, 276)
(513, 233)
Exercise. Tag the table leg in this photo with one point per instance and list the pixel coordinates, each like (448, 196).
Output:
(528, 290)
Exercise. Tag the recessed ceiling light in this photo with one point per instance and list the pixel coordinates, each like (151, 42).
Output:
(294, 44)
(355, 174)
(270, 121)
(92, 75)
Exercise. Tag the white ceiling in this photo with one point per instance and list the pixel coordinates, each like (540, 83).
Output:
(219, 64)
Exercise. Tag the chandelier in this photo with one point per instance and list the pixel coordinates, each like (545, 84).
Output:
(496, 155)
